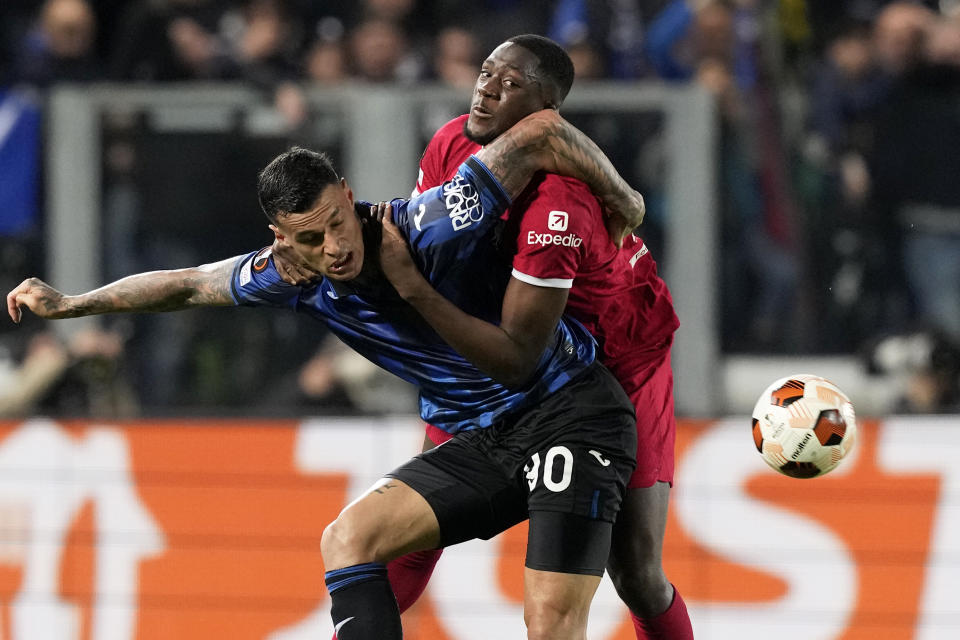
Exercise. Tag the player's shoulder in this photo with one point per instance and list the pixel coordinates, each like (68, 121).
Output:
(557, 186)
(255, 280)
(558, 200)
(453, 127)
(450, 134)
(256, 271)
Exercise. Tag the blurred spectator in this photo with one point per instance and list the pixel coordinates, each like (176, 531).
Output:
(587, 63)
(61, 46)
(491, 21)
(396, 11)
(22, 384)
(83, 378)
(680, 35)
(612, 31)
(942, 43)
(715, 44)
(163, 40)
(456, 58)
(898, 35)
(338, 380)
(916, 195)
(379, 53)
(847, 91)
(267, 44)
(927, 367)
(327, 62)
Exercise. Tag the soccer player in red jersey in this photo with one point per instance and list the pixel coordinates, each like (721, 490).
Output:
(565, 253)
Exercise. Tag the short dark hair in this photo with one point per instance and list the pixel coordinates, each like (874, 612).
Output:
(293, 181)
(555, 64)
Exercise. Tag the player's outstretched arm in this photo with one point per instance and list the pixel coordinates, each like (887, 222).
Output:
(204, 286)
(543, 141)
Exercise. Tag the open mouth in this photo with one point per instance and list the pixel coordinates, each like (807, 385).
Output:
(478, 111)
(340, 265)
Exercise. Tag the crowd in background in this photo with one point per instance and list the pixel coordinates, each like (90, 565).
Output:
(837, 156)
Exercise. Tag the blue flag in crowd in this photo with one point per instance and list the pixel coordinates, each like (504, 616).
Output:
(19, 163)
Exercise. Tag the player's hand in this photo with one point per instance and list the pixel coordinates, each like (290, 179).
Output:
(623, 215)
(39, 297)
(395, 259)
(290, 267)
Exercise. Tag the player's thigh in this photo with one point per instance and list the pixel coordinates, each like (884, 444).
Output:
(639, 530)
(567, 543)
(470, 493)
(387, 521)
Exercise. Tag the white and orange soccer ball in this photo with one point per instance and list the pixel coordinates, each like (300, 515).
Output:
(803, 426)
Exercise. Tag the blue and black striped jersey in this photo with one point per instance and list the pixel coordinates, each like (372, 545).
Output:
(451, 231)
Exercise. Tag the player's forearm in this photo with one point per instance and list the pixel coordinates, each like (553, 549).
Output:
(544, 141)
(157, 291)
(488, 347)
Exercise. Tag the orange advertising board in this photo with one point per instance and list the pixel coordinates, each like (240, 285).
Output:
(182, 529)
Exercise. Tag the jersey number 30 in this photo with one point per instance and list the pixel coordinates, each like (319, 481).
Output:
(532, 469)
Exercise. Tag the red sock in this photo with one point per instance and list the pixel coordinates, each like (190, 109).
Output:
(672, 624)
(409, 575)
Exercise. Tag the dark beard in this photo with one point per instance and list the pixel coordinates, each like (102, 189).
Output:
(480, 140)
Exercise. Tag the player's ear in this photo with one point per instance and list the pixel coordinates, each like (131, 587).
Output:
(551, 99)
(347, 190)
(276, 232)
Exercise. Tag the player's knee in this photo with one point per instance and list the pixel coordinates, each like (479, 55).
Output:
(553, 620)
(344, 543)
(643, 587)
(637, 575)
(634, 581)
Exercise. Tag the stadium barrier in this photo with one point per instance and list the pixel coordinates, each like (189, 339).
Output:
(210, 529)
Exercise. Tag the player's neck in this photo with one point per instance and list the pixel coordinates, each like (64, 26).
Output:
(371, 275)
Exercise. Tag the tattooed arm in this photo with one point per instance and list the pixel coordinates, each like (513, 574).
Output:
(544, 141)
(204, 286)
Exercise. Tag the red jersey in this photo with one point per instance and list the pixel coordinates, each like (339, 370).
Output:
(562, 242)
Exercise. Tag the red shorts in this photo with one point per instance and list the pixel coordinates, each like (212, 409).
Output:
(649, 383)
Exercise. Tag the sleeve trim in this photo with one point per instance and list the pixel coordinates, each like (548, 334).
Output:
(233, 280)
(490, 181)
(553, 283)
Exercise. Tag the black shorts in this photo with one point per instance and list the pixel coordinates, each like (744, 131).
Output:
(572, 455)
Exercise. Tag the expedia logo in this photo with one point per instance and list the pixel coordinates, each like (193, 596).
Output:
(557, 221)
(462, 202)
(569, 240)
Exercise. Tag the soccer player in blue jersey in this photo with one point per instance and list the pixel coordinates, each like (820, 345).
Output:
(555, 442)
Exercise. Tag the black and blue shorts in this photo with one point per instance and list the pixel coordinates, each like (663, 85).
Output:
(564, 464)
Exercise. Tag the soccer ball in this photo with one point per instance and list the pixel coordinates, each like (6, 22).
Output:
(803, 426)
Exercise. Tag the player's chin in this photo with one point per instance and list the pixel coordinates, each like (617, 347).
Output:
(481, 132)
(340, 275)
(347, 272)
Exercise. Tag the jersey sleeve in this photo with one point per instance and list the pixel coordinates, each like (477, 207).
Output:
(464, 206)
(553, 234)
(256, 282)
(445, 225)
